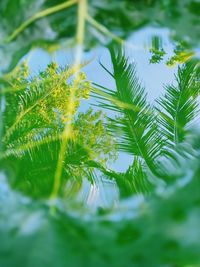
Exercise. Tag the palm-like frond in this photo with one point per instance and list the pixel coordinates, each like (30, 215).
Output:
(134, 180)
(136, 126)
(137, 177)
(179, 106)
(33, 120)
(28, 101)
(131, 182)
(32, 170)
(39, 101)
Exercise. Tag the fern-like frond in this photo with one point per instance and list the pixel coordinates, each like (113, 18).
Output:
(32, 170)
(40, 102)
(135, 126)
(134, 181)
(33, 121)
(19, 148)
(179, 106)
(138, 178)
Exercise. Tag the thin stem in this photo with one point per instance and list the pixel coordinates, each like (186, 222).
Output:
(113, 36)
(40, 15)
(104, 30)
(57, 179)
(80, 33)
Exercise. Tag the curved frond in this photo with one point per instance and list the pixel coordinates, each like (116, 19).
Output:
(41, 97)
(135, 126)
(32, 170)
(179, 106)
(33, 121)
(134, 181)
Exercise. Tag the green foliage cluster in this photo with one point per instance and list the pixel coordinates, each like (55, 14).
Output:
(34, 117)
(165, 171)
(157, 50)
(50, 149)
(161, 231)
(56, 30)
(150, 133)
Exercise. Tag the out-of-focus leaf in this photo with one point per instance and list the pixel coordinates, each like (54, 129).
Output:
(156, 50)
(119, 17)
(161, 231)
(33, 118)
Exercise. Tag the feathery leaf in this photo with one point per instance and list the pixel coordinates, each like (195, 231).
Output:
(135, 125)
(179, 106)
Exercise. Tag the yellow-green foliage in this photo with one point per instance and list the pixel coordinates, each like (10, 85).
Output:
(43, 106)
(56, 106)
(89, 129)
(42, 102)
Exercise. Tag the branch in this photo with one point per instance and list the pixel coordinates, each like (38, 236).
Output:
(40, 15)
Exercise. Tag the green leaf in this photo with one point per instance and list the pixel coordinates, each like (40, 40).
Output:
(120, 18)
(179, 106)
(136, 126)
(35, 114)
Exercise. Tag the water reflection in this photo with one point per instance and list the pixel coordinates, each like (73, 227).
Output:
(152, 76)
